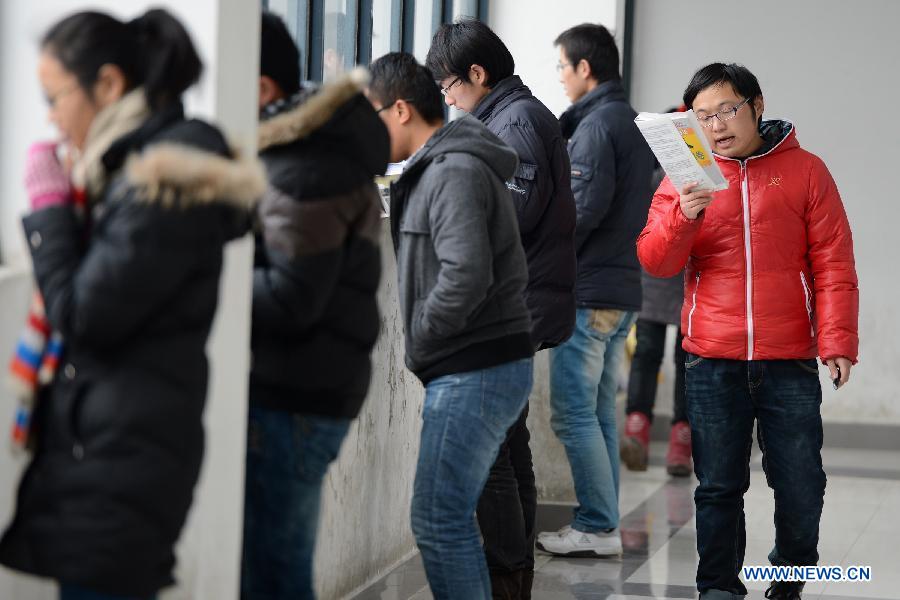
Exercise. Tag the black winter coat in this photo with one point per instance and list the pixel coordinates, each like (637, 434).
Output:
(542, 194)
(317, 267)
(119, 432)
(612, 174)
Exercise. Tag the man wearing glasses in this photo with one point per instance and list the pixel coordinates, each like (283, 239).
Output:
(462, 277)
(476, 72)
(612, 171)
(770, 285)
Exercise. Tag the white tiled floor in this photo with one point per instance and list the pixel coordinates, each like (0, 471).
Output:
(860, 526)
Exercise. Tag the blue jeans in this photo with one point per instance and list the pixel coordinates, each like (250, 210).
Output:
(724, 398)
(584, 379)
(287, 458)
(465, 419)
(72, 592)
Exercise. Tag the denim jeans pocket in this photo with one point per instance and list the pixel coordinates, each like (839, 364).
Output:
(316, 442)
(605, 321)
(809, 365)
(692, 360)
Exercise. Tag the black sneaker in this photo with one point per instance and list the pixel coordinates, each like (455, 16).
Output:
(785, 590)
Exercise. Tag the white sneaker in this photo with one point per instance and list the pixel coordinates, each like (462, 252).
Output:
(580, 544)
(566, 529)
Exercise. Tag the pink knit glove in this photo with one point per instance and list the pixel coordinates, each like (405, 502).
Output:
(46, 181)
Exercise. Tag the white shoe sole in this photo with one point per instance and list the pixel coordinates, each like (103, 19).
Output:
(586, 553)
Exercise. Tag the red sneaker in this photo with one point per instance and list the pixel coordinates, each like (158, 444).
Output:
(678, 458)
(635, 445)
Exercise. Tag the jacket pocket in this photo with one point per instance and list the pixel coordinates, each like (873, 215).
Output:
(690, 326)
(581, 171)
(74, 419)
(807, 296)
(417, 256)
(526, 172)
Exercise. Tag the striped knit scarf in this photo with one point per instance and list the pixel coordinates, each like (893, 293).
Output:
(33, 365)
(36, 358)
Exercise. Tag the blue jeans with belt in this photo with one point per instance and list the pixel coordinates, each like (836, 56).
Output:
(464, 422)
(724, 399)
(584, 378)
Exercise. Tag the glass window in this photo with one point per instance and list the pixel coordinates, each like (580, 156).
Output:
(386, 26)
(338, 37)
(334, 35)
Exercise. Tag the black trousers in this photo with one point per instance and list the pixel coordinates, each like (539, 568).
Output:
(508, 503)
(648, 356)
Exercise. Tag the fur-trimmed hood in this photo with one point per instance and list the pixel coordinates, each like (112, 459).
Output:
(313, 111)
(168, 170)
(324, 141)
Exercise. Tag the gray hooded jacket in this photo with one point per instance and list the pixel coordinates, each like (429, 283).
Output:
(460, 264)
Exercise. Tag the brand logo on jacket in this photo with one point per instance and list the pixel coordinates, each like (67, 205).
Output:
(775, 181)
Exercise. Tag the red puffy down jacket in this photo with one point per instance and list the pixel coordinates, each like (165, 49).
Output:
(770, 270)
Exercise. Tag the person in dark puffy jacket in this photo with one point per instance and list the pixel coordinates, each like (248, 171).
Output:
(315, 315)
(476, 72)
(133, 293)
(612, 168)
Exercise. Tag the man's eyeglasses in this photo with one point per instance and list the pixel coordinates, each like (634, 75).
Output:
(446, 90)
(387, 106)
(561, 65)
(722, 115)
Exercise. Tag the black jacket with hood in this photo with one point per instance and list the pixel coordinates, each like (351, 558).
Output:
(542, 194)
(317, 266)
(119, 431)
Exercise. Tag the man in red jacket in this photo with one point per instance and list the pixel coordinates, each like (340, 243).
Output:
(770, 284)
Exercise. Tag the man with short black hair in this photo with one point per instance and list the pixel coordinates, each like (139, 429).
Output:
(315, 315)
(462, 274)
(476, 71)
(612, 170)
(770, 284)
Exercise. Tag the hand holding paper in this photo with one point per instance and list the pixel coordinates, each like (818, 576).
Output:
(694, 200)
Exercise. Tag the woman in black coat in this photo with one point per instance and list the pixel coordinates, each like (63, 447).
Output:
(130, 281)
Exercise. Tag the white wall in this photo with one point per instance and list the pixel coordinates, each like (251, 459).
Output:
(365, 501)
(528, 28)
(209, 553)
(829, 66)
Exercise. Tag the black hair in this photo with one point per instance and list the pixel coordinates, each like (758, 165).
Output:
(455, 47)
(397, 76)
(741, 79)
(596, 45)
(279, 57)
(153, 51)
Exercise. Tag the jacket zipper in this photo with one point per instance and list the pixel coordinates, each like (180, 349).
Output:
(693, 306)
(748, 252)
(807, 297)
(748, 256)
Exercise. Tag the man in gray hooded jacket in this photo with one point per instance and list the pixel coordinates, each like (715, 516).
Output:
(462, 274)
